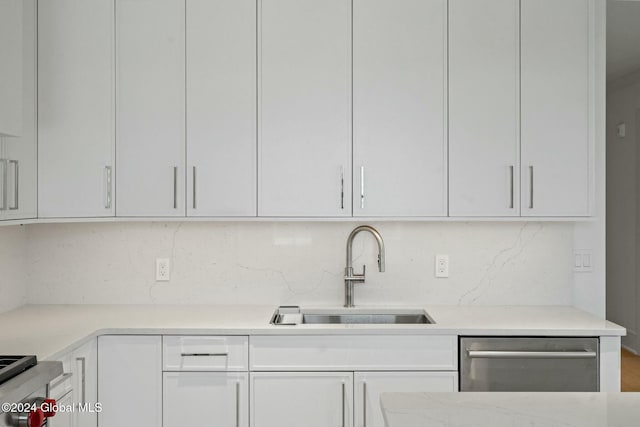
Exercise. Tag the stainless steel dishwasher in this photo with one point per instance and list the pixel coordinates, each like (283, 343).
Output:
(529, 364)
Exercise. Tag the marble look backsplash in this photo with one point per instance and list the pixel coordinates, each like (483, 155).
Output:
(299, 263)
(13, 267)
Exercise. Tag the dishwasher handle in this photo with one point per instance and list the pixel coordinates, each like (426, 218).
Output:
(502, 354)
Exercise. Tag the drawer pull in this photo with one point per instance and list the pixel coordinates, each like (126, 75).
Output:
(204, 354)
(488, 354)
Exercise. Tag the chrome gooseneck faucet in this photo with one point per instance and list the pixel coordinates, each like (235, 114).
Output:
(349, 277)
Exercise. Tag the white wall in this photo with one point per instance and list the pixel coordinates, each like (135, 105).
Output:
(282, 263)
(13, 264)
(623, 197)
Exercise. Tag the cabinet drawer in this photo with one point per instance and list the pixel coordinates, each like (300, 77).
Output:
(335, 353)
(205, 353)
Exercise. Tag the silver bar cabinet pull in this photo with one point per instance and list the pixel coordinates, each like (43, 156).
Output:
(108, 186)
(364, 404)
(194, 188)
(481, 354)
(83, 365)
(16, 185)
(361, 187)
(530, 187)
(344, 404)
(3, 186)
(175, 187)
(511, 201)
(341, 187)
(237, 403)
(204, 354)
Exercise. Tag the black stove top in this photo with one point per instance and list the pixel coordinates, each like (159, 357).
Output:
(10, 366)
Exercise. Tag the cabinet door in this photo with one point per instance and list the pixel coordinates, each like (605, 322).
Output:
(399, 87)
(189, 398)
(18, 157)
(130, 381)
(11, 75)
(555, 107)
(305, 108)
(312, 399)
(150, 110)
(483, 107)
(221, 108)
(370, 385)
(75, 108)
(85, 387)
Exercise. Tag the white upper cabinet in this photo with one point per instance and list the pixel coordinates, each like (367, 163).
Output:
(221, 107)
(399, 105)
(150, 108)
(556, 84)
(484, 108)
(11, 71)
(76, 146)
(304, 108)
(18, 157)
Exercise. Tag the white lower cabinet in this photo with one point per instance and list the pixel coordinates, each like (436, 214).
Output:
(85, 384)
(311, 378)
(77, 388)
(191, 397)
(130, 380)
(368, 386)
(265, 381)
(61, 389)
(291, 399)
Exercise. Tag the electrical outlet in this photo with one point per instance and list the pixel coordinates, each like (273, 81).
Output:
(163, 270)
(442, 266)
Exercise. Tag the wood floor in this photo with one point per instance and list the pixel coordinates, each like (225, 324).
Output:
(630, 371)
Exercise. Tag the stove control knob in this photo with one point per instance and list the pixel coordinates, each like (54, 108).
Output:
(48, 407)
(35, 418)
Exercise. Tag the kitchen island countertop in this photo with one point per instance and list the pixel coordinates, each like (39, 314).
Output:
(511, 409)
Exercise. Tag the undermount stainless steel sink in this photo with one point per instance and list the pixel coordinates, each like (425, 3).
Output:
(297, 316)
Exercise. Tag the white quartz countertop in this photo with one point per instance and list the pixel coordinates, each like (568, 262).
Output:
(49, 330)
(511, 409)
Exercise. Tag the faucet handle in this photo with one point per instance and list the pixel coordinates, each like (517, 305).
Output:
(364, 271)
